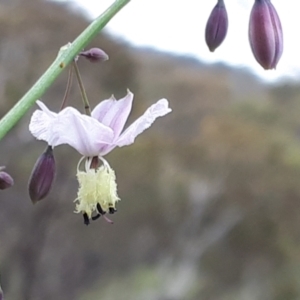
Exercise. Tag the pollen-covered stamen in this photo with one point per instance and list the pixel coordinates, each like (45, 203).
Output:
(97, 189)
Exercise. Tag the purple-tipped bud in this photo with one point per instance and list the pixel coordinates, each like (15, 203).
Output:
(42, 176)
(265, 34)
(94, 55)
(6, 181)
(216, 26)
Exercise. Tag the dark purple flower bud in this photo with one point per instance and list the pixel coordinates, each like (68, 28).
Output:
(216, 26)
(42, 176)
(6, 181)
(94, 55)
(265, 34)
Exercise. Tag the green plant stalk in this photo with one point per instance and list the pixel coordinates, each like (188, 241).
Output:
(63, 59)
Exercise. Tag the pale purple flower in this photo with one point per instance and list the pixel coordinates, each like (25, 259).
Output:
(98, 134)
(95, 136)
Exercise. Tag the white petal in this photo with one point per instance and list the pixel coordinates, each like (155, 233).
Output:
(159, 109)
(41, 123)
(114, 113)
(69, 126)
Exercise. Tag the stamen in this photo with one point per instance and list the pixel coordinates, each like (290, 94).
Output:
(97, 194)
(96, 217)
(100, 210)
(86, 219)
(105, 163)
(112, 210)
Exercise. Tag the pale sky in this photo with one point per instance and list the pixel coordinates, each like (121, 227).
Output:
(178, 26)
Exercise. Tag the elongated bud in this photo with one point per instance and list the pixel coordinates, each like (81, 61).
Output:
(6, 181)
(42, 176)
(95, 55)
(216, 26)
(265, 34)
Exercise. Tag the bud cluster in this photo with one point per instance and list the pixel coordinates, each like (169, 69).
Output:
(265, 31)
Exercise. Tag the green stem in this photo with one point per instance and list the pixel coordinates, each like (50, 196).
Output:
(84, 97)
(64, 57)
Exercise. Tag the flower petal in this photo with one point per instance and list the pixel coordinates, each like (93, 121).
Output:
(102, 108)
(82, 132)
(159, 109)
(69, 126)
(114, 113)
(42, 122)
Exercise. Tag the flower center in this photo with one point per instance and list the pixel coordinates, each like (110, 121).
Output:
(97, 191)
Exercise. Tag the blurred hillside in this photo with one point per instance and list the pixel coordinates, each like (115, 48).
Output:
(210, 194)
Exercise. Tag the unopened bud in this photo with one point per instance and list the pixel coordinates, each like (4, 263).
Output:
(6, 181)
(216, 26)
(42, 176)
(265, 34)
(95, 55)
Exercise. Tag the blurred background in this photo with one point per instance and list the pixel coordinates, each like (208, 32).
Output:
(210, 194)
